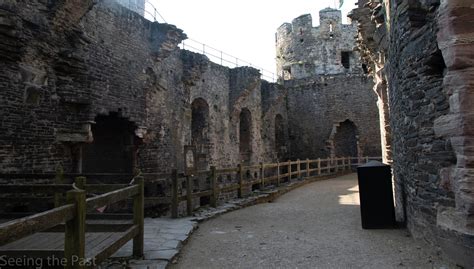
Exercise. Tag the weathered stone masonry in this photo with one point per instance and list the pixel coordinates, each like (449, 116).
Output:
(326, 87)
(67, 70)
(93, 87)
(63, 66)
(421, 55)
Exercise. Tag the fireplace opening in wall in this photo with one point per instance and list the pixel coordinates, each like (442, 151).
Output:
(114, 146)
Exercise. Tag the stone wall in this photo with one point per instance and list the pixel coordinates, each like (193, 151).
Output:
(70, 65)
(414, 48)
(62, 67)
(275, 121)
(327, 85)
(318, 105)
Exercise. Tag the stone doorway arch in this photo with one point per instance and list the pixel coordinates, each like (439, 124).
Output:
(245, 135)
(114, 146)
(344, 140)
(200, 133)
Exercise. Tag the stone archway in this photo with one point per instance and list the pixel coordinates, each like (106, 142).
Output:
(114, 146)
(200, 131)
(344, 140)
(245, 135)
(280, 141)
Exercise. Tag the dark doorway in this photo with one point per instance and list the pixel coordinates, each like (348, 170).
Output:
(113, 148)
(345, 139)
(199, 132)
(280, 145)
(245, 135)
(199, 121)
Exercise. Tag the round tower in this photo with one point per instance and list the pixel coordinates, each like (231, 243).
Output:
(291, 41)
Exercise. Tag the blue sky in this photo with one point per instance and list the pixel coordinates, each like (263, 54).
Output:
(245, 28)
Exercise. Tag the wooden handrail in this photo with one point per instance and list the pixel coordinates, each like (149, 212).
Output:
(35, 188)
(19, 228)
(294, 169)
(112, 197)
(269, 173)
(73, 214)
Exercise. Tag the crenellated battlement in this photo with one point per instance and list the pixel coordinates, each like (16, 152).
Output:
(304, 50)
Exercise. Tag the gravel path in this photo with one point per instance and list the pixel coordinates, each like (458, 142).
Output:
(316, 226)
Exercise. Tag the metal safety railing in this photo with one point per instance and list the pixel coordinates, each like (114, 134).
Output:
(144, 8)
(149, 12)
(223, 58)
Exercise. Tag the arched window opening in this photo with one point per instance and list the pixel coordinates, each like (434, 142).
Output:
(345, 140)
(280, 144)
(245, 135)
(199, 121)
(199, 132)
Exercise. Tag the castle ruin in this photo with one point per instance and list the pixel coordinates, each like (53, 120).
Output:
(157, 99)
(96, 88)
(328, 92)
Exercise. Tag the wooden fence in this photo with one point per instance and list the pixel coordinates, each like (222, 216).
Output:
(71, 206)
(258, 176)
(70, 220)
(176, 187)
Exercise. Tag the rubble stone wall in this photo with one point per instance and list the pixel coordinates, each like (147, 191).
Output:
(416, 55)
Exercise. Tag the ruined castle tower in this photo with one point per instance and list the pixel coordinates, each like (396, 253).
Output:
(331, 106)
(137, 6)
(303, 50)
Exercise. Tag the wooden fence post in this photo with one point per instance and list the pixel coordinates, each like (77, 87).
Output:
(138, 217)
(262, 176)
(214, 189)
(319, 166)
(80, 182)
(174, 193)
(298, 168)
(58, 179)
(289, 171)
(278, 174)
(189, 196)
(75, 233)
(337, 165)
(241, 181)
(308, 172)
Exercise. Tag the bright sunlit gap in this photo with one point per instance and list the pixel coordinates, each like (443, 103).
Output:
(242, 29)
(352, 198)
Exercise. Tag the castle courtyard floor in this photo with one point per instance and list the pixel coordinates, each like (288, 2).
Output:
(315, 226)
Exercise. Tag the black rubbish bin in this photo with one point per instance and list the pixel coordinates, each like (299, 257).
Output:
(376, 196)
